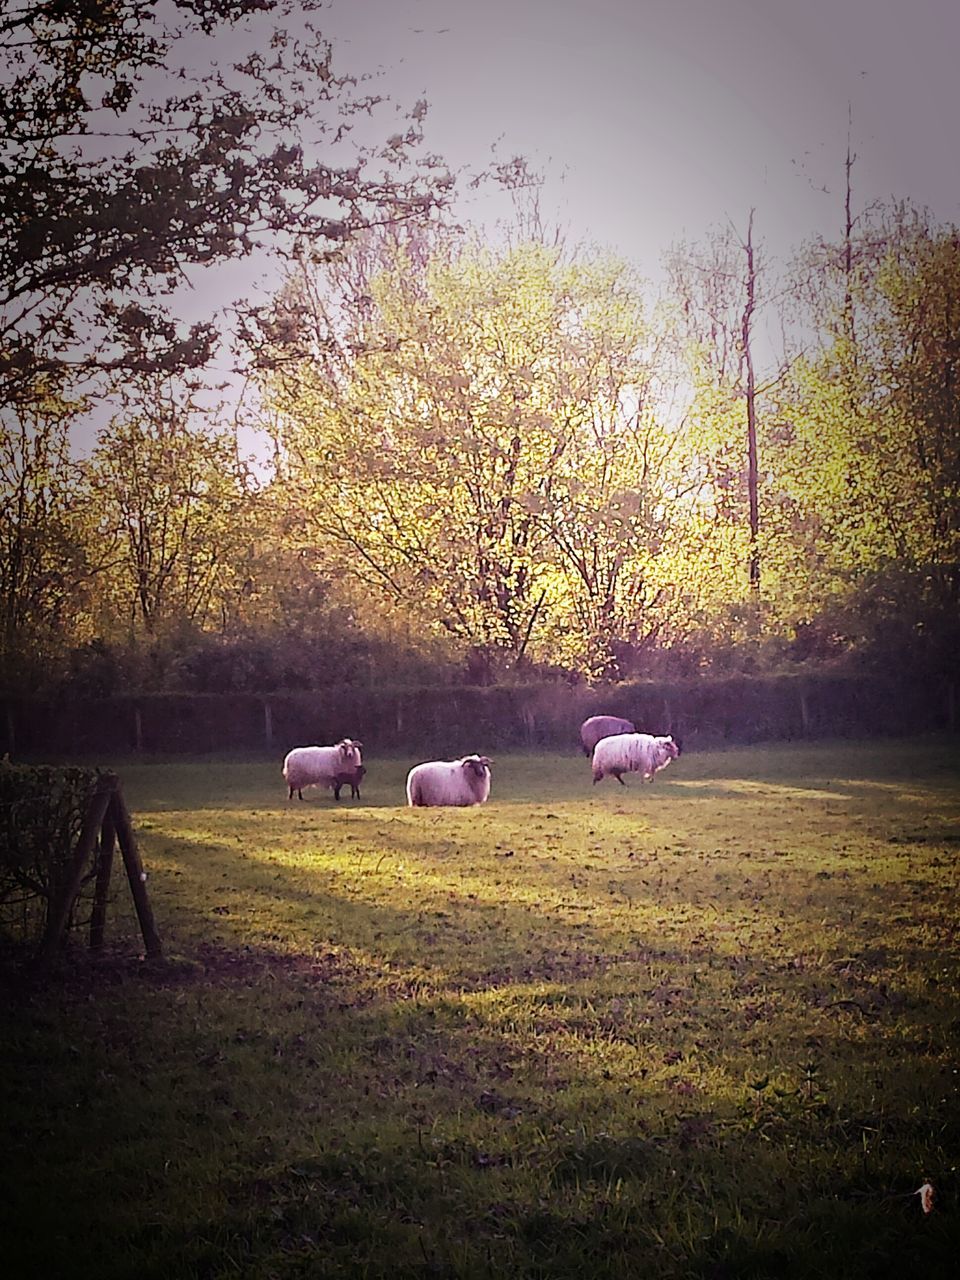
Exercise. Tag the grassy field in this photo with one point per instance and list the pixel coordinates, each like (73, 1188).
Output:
(705, 1028)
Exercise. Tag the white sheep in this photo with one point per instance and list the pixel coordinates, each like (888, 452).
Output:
(455, 782)
(633, 753)
(597, 727)
(322, 766)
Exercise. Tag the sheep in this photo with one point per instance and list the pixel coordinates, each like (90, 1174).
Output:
(632, 753)
(454, 782)
(322, 766)
(597, 727)
(352, 776)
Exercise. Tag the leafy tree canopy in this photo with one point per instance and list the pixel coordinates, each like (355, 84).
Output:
(138, 139)
(473, 434)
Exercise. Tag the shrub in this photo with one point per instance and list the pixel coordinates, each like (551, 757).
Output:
(41, 813)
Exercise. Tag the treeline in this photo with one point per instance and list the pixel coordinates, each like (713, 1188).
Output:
(490, 464)
(483, 459)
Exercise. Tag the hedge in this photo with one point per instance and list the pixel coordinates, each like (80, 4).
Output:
(442, 720)
(41, 813)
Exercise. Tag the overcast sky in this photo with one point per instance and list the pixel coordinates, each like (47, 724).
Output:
(654, 119)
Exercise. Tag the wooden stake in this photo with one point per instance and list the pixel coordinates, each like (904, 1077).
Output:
(137, 877)
(59, 912)
(108, 838)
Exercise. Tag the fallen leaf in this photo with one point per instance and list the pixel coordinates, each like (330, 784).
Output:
(926, 1194)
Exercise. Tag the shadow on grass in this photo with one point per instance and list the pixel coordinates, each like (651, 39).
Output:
(324, 1116)
(329, 1078)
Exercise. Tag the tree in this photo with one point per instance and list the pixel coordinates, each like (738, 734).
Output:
(468, 432)
(110, 192)
(919, 340)
(45, 567)
(717, 291)
(882, 422)
(863, 520)
(170, 496)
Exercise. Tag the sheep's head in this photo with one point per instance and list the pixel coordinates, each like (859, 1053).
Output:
(350, 752)
(476, 772)
(667, 750)
(477, 766)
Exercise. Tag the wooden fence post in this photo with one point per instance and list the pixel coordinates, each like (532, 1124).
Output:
(108, 838)
(804, 714)
(137, 877)
(59, 911)
(529, 724)
(268, 724)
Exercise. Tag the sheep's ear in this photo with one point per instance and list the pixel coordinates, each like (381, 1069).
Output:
(486, 760)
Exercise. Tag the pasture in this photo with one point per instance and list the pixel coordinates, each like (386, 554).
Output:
(707, 1027)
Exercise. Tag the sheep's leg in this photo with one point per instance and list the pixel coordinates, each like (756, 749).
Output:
(336, 790)
(290, 796)
(619, 777)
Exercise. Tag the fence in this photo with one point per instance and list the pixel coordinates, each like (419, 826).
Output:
(705, 712)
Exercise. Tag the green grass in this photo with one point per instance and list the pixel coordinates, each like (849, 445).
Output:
(704, 1028)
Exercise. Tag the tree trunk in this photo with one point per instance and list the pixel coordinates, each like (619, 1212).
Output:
(751, 394)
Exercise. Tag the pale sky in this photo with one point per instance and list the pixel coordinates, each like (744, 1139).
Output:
(654, 119)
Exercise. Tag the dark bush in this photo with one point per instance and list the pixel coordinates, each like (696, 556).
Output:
(41, 812)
